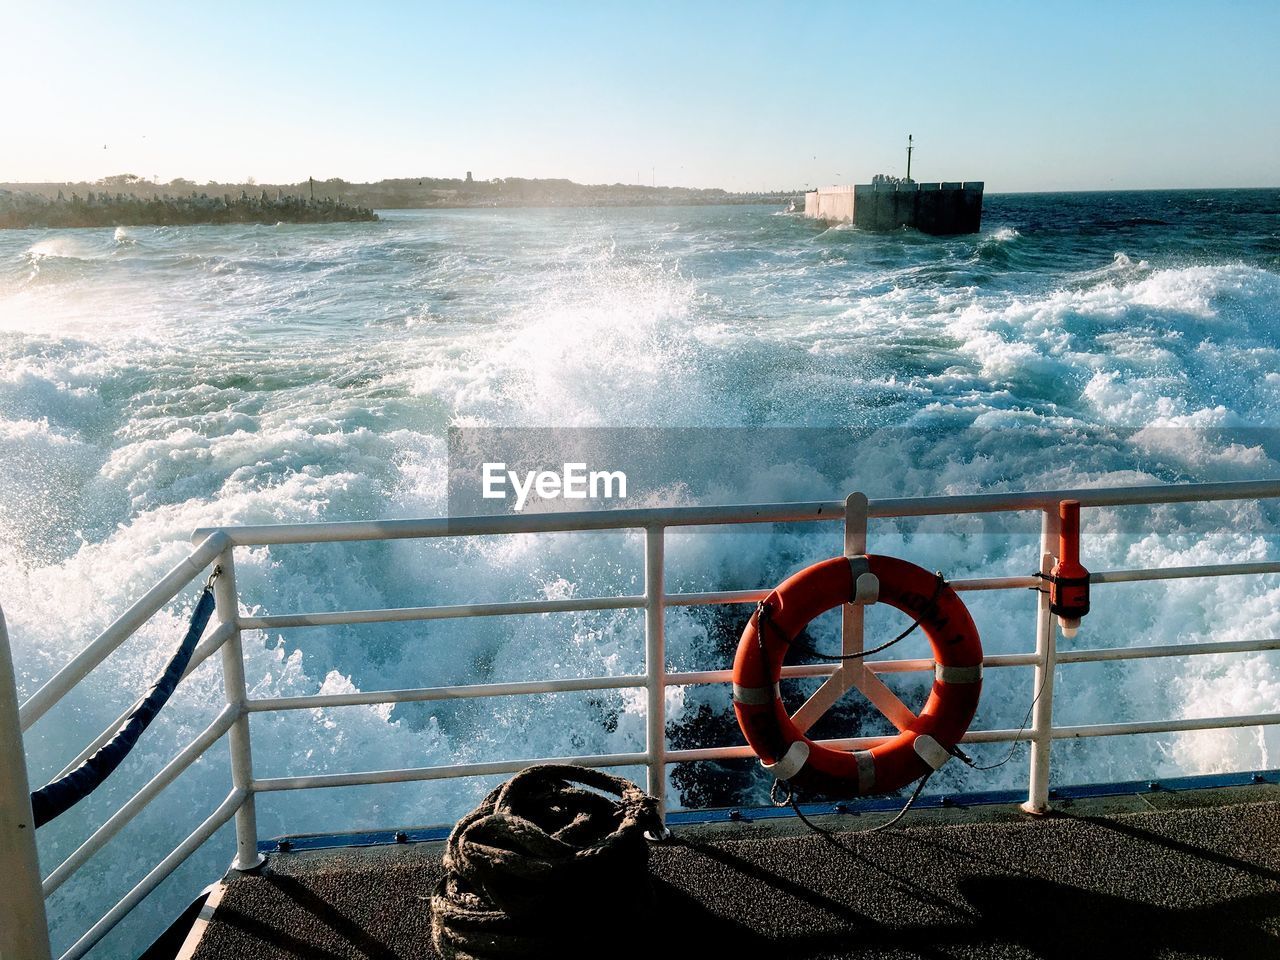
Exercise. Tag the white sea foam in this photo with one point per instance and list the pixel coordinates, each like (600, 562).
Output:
(254, 376)
(56, 247)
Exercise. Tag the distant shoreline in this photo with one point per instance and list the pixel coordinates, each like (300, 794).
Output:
(28, 210)
(132, 202)
(415, 193)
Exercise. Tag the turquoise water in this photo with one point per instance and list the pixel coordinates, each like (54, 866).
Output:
(156, 380)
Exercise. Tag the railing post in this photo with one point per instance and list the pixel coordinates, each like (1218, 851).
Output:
(24, 928)
(228, 609)
(855, 545)
(1042, 683)
(655, 662)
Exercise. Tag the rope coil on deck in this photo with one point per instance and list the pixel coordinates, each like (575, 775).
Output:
(546, 865)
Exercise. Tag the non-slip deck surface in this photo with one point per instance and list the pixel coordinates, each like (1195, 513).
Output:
(1203, 881)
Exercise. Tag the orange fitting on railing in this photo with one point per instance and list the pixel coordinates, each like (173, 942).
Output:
(1069, 582)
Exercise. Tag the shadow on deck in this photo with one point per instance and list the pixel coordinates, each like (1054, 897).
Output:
(1198, 876)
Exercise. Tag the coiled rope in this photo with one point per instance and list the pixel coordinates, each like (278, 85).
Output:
(548, 864)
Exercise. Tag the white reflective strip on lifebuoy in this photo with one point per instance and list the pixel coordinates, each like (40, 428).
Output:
(931, 751)
(755, 696)
(792, 761)
(957, 674)
(866, 770)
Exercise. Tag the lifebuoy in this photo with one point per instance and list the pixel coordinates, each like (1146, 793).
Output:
(926, 743)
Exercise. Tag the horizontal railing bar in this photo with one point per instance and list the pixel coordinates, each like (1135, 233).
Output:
(1101, 654)
(1011, 583)
(715, 598)
(118, 820)
(755, 596)
(847, 743)
(583, 604)
(533, 687)
(1093, 655)
(1088, 497)
(413, 774)
(515, 608)
(1181, 573)
(500, 524)
(691, 678)
(789, 672)
(724, 597)
(732, 752)
(203, 651)
(801, 670)
(927, 663)
(1164, 726)
(226, 810)
(612, 760)
(261, 535)
(425, 694)
(704, 754)
(995, 583)
(57, 686)
(1005, 736)
(401, 614)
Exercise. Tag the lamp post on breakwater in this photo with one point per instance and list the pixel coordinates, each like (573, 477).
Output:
(910, 147)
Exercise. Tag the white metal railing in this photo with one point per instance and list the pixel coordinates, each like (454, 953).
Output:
(23, 932)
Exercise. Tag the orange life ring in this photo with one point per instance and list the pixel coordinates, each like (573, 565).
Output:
(926, 743)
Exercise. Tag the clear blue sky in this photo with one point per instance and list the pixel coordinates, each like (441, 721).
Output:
(745, 95)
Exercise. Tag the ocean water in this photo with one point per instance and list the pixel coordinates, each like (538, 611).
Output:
(156, 380)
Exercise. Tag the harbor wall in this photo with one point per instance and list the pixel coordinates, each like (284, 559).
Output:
(937, 208)
(830, 203)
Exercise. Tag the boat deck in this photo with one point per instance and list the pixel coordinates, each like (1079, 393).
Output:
(1162, 874)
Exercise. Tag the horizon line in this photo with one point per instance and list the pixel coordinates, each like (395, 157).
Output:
(641, 186)
(369, 183)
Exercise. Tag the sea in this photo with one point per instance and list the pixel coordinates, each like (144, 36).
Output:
(157, 380)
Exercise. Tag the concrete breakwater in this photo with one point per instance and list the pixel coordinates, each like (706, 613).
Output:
(30, 210)
(937, 208)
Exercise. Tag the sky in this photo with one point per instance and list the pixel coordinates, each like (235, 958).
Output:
(742, 95)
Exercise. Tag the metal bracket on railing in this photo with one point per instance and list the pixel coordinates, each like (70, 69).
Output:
(866, 585)
(855, 545)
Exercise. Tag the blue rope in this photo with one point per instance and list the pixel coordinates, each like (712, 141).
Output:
(61, 795)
